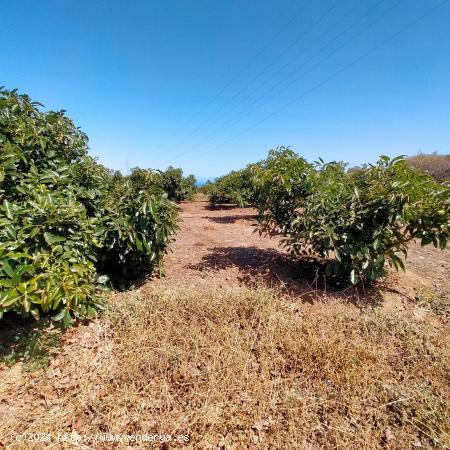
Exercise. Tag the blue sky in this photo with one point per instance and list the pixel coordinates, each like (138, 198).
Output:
(212, 85)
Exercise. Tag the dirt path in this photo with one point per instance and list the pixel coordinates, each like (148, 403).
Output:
(215, 248)
(219, 246)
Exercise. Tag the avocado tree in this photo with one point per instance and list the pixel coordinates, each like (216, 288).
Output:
(66, 222)
(358, 221)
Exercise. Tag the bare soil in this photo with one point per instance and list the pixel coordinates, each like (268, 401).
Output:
(219, 245)
(216, 253)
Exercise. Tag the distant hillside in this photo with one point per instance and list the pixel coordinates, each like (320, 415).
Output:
(436, 165)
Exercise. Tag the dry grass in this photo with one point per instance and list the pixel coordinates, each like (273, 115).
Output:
(248, 369)
(438, 302)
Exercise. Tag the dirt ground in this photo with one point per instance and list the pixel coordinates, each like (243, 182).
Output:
(220, 245)
(217, 247)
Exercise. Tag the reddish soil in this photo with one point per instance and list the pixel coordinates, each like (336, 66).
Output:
(220, 246)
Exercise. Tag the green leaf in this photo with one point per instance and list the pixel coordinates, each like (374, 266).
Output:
(67, 319)
(7, 207)
(52, 239)
(354, 278)
(8, 269)
(59, 316)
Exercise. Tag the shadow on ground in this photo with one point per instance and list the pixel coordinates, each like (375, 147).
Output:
(29, 341)
(300, 278)
(231, 218)
(218, 207)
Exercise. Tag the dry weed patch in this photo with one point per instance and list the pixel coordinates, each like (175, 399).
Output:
(248, 369)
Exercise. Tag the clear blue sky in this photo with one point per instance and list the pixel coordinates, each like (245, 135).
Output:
(135, 76)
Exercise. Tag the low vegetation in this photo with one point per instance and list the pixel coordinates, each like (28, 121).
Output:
(29, 343)
(178, 187)
(68, 224)
(250, 369)
(235, 187)
(357, 221)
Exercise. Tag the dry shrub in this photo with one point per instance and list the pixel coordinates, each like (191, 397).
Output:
(249, 369)
(437, 165)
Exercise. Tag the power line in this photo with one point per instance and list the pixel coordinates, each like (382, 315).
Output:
(286, 49)
(268, 66)
(241, 71)
(335, 74)
(327, 31)
(224, 126)
(256, 101)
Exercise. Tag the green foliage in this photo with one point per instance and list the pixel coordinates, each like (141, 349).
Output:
(207, 188)
(274, 185)
(136, 227)
(177, 186)
(281, 184)
(362, 219)
(235, 187)
(172, 181)
(33, 343)
(64, 219)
